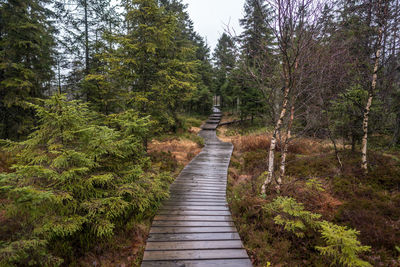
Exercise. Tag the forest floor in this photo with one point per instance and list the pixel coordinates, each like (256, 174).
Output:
(368, 203)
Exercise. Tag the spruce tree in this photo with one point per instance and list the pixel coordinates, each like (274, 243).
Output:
(26, 54)
(159, 67)
(256, 59)
(76, 181)
(224, 59)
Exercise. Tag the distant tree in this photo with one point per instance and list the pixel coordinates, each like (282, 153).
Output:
(84, 23)
(224, 57)
(256, 62)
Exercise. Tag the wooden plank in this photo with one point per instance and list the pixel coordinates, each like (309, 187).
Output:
(193, 218)
(190, 182)
(217, 181)
(193, 237)
(199, 187)
(198, 195)
(195, 202)
(195, 212)
(176, 207)
(191, 223)
(199, 184)
(200, 263)
(179, 189)
(180, 245)
(196, 199)
(195, 254)
(181, 230)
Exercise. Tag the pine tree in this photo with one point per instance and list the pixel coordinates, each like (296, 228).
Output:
(256, 60)
(26, 54)
(84, 25)
(160, 68)
(224, 60)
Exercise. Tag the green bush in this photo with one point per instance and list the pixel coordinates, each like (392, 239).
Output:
(76, 180)
(340, 243)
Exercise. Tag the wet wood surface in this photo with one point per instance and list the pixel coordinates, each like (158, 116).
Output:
(194, 226)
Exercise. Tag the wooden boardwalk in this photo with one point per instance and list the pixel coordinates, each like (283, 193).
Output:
(194, 227)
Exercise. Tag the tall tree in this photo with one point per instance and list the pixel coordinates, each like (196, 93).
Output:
(381, 9)
(256, 61)
(26, 54)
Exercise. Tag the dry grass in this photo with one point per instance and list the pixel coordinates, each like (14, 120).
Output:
(183, 150)
(303, 146)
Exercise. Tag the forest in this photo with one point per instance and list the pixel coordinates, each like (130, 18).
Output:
(101, 103)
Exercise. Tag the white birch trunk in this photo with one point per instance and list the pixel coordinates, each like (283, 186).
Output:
(364, 148)
(272, 147)
(285, 149)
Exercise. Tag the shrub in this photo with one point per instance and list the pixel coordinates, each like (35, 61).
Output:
(75, 181)
(341, 244)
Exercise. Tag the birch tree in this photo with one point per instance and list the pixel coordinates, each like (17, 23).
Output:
(293, 26)
(381, 7)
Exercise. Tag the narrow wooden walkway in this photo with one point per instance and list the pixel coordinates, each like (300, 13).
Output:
(194, 227)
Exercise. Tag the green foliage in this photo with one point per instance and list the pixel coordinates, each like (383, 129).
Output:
(341, 244)
(225, 60)
(164, 66)
(314, 184)
(292, 216)
(26, 49)
(76, 180)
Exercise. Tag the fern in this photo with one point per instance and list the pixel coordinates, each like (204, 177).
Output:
(341, 244)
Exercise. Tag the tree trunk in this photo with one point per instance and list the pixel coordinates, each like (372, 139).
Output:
(86, 37)
(364, 147)
(285, 148)
(272, 147)
(336, 149)
(396, 135)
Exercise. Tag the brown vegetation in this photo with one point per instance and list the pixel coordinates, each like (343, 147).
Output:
(182, 150)
(368, 203)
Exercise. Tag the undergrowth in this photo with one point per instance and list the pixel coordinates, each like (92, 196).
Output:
(361, 208)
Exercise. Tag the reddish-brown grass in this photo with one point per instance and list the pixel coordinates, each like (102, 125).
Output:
(183, 150)
(303, 146)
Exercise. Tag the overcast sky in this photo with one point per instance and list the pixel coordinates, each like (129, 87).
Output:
(212, 17)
